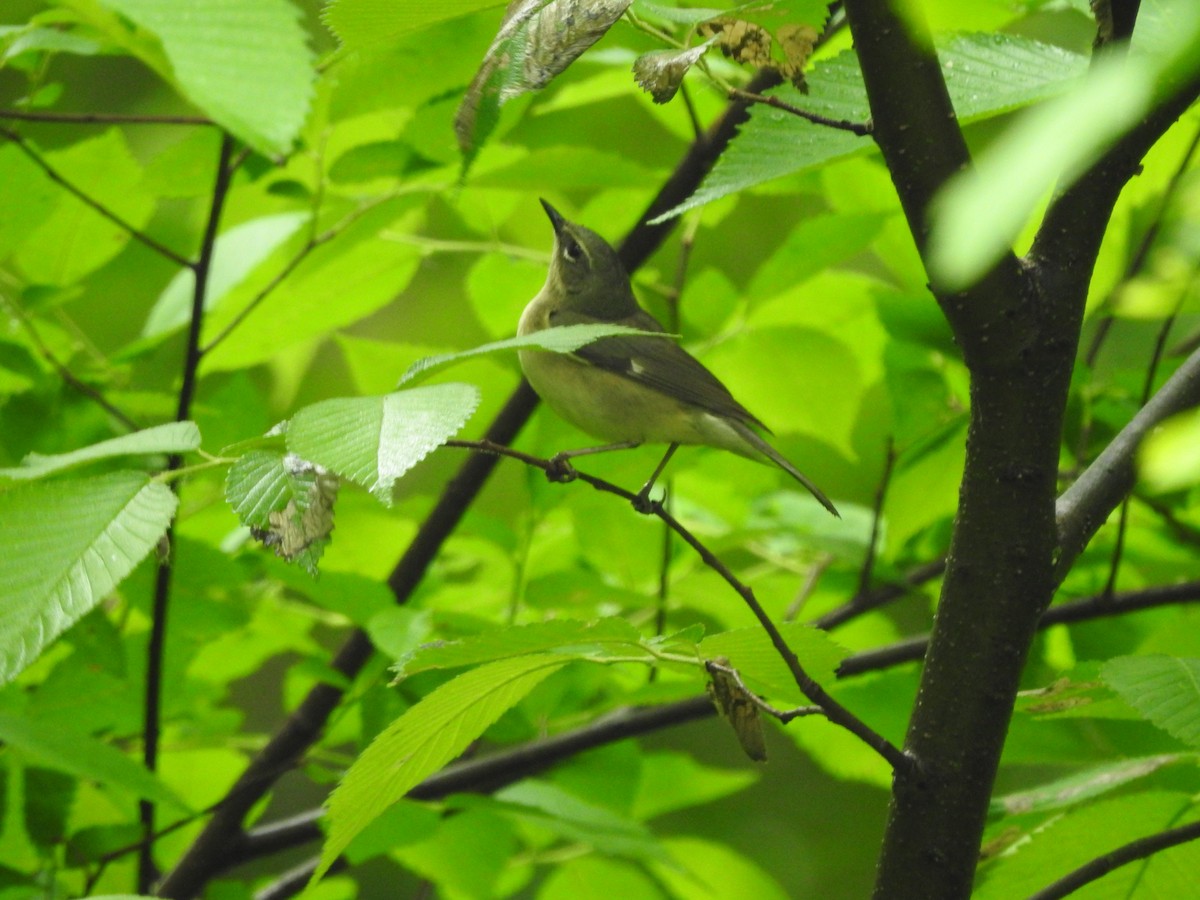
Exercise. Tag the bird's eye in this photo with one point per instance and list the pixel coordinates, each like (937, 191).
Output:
(571, 251)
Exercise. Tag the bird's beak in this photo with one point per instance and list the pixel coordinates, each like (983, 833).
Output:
(556, 218)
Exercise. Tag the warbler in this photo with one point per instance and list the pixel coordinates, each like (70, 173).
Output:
(629, 390)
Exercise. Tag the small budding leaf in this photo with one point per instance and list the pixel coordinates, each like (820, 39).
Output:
(734, 702)
(660, 72)
(538, 40)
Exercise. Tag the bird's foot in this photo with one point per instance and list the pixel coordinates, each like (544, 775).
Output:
(560, 470)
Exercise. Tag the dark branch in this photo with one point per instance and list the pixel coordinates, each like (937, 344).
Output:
(833, 710)
(94, 118)
(917, 131)
(862, 129)
(1102, 865)
(147, 872)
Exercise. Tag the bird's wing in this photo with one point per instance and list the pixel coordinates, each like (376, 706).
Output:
(658, 363)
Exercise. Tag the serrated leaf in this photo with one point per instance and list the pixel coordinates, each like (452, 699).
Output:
(750, 651)
(373, 441)
(1049, 148)
(286, 501)
(1164, 689)
(537, 40)
(1079, 786)
(987, 74)
(237, 253)
(246, 63)
(67, 543)
(83, 756)
(361, 23)
(173, 437)
(424, 739)
(565, 339)
(580, 638)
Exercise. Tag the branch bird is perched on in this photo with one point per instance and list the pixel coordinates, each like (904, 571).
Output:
(629, 390)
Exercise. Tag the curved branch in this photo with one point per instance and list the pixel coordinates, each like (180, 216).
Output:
(834, 711)
(1102, 865)
(53, 175)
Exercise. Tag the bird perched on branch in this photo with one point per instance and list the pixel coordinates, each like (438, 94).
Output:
(629, 389)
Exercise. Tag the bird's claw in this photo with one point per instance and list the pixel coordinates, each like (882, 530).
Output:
(560, 470)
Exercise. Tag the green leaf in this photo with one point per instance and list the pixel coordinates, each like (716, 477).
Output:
(572, 637)
(1164, 689)
(1053, 848)
(173, 437)
(674, 781)
(84, 757)
(980, 212)
(578, 821)
(361, 23)
(67, 544)
(566, 339)
(373, 441)
(286, 501)
(424, 739)
(987, 74)
(708, 870)
(1079, 786)
(339, 282)
(1170, 457)
(537, 40)
(236, 254)
(749, 650)
(246, 63)
(75, 239)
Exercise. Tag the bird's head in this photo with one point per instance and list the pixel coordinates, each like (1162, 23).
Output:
(586, 271)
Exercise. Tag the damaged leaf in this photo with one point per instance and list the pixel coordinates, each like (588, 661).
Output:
(538, 40)
(660, 72)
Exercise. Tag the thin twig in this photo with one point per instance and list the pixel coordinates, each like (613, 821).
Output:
(833, 710)
(1160, 343)
(52, 173)
(1138, 260)
(66, 374)
(99, 118)
(815, 571)
(862, 129)
(147, 872)
(491, 772)
(868, 566)
(314, 241)
(880, 596)
(1102, 865)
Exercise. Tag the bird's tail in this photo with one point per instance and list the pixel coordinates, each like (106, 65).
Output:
(761, 446)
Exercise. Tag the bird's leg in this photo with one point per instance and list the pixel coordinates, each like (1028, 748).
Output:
(642, 501)
(560, 469)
